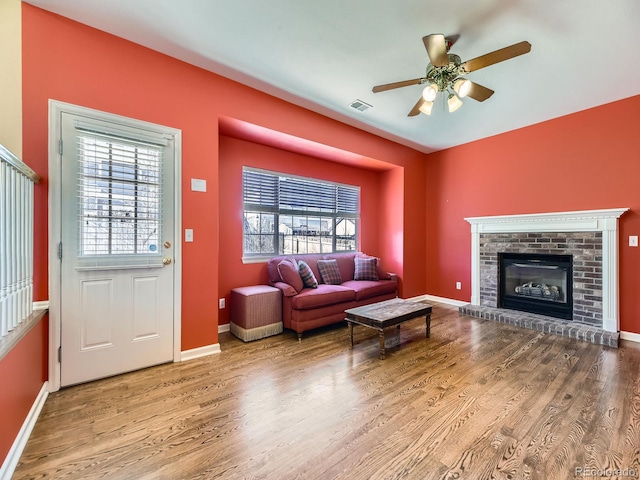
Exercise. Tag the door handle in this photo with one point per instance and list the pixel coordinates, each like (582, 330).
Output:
(166, 261)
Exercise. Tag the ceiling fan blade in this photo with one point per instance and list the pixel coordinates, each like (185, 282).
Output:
(416, 108)
(495, 57)
(479, 93)
(390, 86)
(436, 46)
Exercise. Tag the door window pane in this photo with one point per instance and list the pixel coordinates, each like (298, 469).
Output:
(119, 197)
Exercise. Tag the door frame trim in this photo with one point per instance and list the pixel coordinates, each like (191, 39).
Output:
(56, 108)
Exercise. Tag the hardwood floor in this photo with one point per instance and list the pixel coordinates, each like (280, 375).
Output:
(478, 400)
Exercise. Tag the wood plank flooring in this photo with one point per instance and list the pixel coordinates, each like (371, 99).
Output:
(477, 400)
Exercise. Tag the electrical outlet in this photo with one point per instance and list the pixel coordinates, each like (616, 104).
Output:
(458, 285)
(221, 303)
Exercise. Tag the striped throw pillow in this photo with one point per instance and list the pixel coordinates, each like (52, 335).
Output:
(308, 278)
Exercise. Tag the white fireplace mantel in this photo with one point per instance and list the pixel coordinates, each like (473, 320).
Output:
(605, 221)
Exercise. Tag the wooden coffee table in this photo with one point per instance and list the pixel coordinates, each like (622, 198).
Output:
(386, 314)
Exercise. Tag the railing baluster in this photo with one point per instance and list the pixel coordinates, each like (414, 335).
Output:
(4, 311)
(16, 241)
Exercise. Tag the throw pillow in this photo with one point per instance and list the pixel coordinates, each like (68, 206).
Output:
(366, 268)
(382, 274)
(288, 271)
(308, 278)
(329, 272)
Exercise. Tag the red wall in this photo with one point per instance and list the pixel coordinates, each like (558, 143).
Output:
(584, 161)
(22, 373)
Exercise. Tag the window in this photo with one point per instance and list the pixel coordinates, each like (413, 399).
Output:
(120, 190)
(289, 215)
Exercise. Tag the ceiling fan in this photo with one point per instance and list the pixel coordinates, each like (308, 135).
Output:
(445, 71)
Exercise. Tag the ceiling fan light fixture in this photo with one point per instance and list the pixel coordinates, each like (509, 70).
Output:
(429, 93)
(454, 103)
(462, 86)
(426, 107)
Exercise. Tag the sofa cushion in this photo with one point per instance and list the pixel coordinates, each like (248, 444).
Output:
(322, 296)
(308, 278)
(329, 272)
(368, 288)
(289, 273)
(366, 268)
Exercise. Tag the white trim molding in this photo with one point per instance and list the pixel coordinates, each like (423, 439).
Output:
(11, 462)
(42, 305)
(200, 352)
(630, 336)
(434, 298)
(605, 221)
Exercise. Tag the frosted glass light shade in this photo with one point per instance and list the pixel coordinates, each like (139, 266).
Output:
(462, 87)
(429, 93)
(426, 107)
(454, 103)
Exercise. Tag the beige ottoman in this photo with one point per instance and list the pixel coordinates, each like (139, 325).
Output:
(256, 312)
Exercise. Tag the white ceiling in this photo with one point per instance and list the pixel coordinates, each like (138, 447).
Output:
(323, 55)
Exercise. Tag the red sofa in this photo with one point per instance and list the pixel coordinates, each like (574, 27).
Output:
(305, 308)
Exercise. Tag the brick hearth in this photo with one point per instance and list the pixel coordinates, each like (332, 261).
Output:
(550, 325)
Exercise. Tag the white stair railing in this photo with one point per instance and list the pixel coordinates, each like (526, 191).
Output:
(16, 241)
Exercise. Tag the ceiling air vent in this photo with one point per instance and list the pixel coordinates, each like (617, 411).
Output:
(360, 105)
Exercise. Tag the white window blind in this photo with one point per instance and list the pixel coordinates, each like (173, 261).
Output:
(285, 214)
(119, 192)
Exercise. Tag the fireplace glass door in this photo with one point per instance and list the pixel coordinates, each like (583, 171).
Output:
(537, 283)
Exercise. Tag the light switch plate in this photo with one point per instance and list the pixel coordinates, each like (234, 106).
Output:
(198, 185)
(188, 235)
(633, 240)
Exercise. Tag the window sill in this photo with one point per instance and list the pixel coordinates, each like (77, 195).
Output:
(248, 260)
(14, 336)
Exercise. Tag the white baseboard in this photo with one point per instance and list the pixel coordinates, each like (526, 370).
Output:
(224, 328)
(433, 298)
(200, 352)
(13, 457)
(629, 336)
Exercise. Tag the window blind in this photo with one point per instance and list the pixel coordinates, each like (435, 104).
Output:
(260, 188)
(286, 214)
(269, 189)
(119, 192)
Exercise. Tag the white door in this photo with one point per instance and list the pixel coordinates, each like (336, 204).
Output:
(117, 227)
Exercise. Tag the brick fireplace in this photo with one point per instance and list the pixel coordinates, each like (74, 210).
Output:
(590, 237)
(585, 247)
